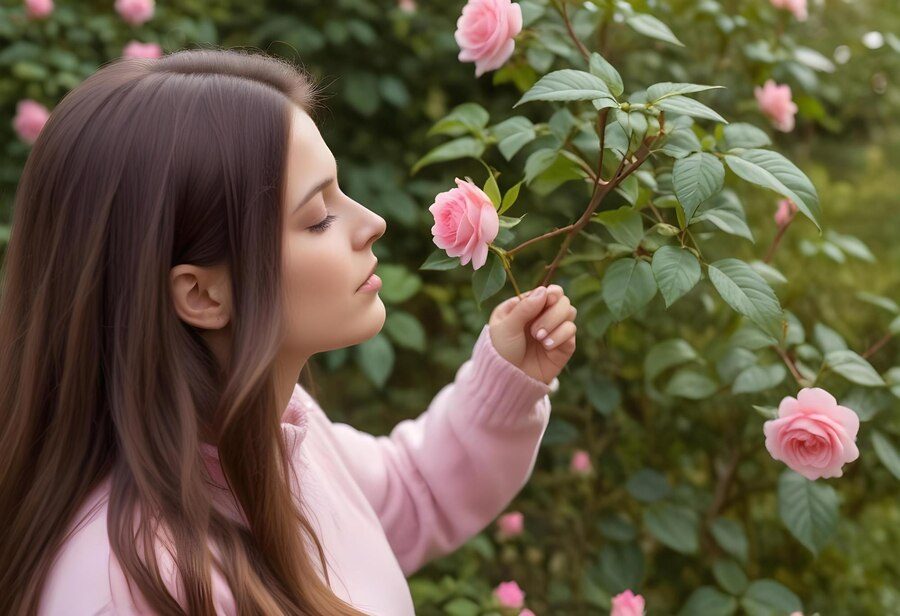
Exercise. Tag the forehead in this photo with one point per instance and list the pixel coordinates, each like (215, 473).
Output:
(308, 150)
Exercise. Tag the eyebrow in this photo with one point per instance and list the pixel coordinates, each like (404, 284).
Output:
(315, 189)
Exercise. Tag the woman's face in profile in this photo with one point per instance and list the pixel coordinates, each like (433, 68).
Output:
(327, 250)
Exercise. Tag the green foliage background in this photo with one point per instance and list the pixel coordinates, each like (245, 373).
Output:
(641, 521)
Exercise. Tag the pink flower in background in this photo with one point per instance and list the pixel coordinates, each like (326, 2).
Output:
(776, 103)
(465, 222)
(36, 9)
(29, 120)
(511, 524)
(509, 594)
(135, 49)
(407, 6)
(581, 462)
(785, 212)
(485, 33)
(627, 604)
(797, 7)
(813, 434)
(527, 612)
(135, 12)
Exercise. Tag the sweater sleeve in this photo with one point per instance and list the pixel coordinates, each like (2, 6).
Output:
(440, 478)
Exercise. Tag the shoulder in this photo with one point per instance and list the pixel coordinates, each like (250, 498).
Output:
(78, 581)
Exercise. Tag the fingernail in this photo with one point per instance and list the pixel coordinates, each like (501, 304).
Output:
(539, 292)
(540, 334)
(548, 342)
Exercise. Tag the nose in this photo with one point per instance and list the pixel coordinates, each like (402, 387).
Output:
(371, 227)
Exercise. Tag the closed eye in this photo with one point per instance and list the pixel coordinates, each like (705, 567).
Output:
(320, 227)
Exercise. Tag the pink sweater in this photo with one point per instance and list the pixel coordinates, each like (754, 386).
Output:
(383, 506)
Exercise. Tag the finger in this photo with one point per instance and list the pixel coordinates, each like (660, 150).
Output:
(551, 318)
(554, 292)
(504, 307)
(527, 309)
(559, 335)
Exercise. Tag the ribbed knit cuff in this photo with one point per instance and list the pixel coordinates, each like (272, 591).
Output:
(508, 395)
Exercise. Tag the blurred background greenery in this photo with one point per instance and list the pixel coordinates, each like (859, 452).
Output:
(391, 72)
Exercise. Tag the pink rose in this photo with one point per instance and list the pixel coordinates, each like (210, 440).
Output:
(30, 119)
(785, 213)
(775, 102)
(627, 604)
(135, 12)
(527, 612)
(797, 7)
(581, 462)
(511, 524)
(465, 222)
(135, 49)
(509, 594)
(36, 9)
(813, 435)
(485, 33)
(407, 6)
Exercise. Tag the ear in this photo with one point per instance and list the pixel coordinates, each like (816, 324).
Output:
(201, 295)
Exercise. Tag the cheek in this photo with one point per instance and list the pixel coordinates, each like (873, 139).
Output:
(317, 282)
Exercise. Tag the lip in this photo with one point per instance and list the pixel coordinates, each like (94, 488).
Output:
(371, 271)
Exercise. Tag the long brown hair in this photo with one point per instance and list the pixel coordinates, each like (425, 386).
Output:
(146, 164)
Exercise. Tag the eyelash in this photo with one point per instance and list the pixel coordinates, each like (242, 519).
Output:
(319, 228)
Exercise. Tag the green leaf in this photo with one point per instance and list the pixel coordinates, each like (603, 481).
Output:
(854, 368)
(491, 189)
(568, 85)
(405, 330)
(667, 354)
(676, 526)
(462, 119)
(769, 598)
(730, 576)
(708, 601)
(773, 171)
(886, 452)
(666, 89)
(621, 566)
(676, 271)
(648, 25)
(809, 509)
(746, 292)
(877, 300)
(725, 212)
(697, 177)
(827, 339)
(681, 142)
(730, 535)
(398, 283)
(489, 278)
(758, 378)
(743, 135)
(648, 485)
(624, 224)
(605, 71)
(438, 260)
(538, 162)
(464, 147)
(375, 357)
(687, 383)
(513, 134)
(627, 286)
(687, 106)
(461, 606)
(510, 197)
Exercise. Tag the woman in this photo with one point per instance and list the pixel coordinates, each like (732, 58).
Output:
(180, 248)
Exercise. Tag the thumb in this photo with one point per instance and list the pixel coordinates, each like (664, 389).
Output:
(527, 309)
